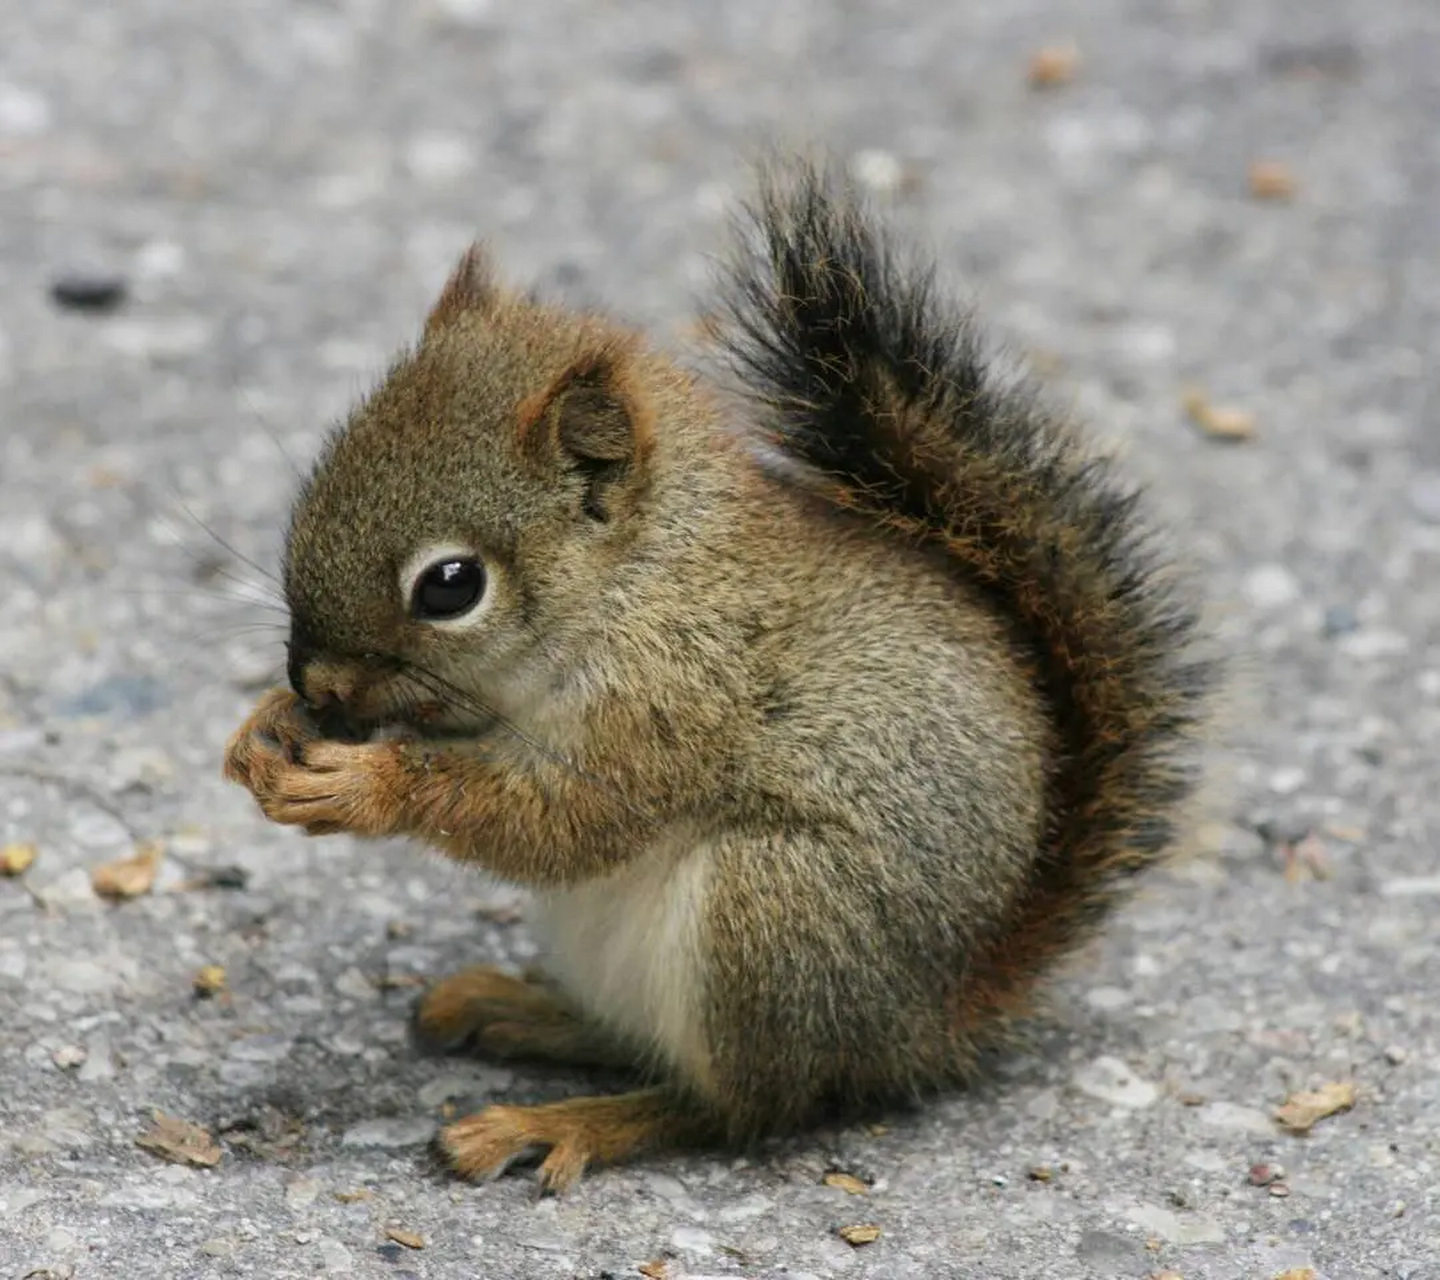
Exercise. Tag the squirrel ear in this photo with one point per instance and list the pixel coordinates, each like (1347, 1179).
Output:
(470, 288)
(590, 418)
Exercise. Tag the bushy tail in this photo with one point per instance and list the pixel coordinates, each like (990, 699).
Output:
(864, 375)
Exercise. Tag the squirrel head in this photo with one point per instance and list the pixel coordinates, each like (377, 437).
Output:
(469, 510)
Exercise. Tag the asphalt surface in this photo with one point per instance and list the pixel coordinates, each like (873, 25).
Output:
(279, 189)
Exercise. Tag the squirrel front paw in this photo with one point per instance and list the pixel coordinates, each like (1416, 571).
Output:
(323, 786)
(278, 723)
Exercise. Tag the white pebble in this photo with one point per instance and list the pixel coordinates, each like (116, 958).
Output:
(440, 157)
(394, 1132)
(1287, 781)
(878, 170)
(23, 112)
(1271, 586)
(1110, 1080)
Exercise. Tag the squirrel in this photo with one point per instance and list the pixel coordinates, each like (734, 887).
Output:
(823, 707)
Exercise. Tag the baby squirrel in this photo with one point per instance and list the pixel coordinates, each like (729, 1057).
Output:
(820, 721)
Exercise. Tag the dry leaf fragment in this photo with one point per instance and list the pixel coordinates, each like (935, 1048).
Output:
(408, 1238)
(354, 1197)
(15, 859)
(1217, 421)
(209, 980)
(656, 1270)
(858, 1235)
(128, 877)
(1297, 1273)
(1301, 1111)
(1271, 180)
(395, 981)
(500, 912)
(179, 1141)
(1166, 1275)
(1053, 66)
(845, 1182)
(1040, 1173)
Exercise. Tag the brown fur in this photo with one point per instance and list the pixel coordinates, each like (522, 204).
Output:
(815, 768)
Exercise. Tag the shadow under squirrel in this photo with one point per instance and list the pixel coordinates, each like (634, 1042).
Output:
(820, 721)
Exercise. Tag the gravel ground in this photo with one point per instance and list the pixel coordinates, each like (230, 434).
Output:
(280, 188)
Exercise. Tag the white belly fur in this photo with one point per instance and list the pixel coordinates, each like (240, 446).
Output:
(626, 949)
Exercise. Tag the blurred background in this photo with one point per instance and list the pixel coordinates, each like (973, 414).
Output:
(1211, 225)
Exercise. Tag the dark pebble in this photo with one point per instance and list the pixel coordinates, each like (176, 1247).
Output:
(1340, 620)
(227, 877)
(391, 1253)
(85, 291)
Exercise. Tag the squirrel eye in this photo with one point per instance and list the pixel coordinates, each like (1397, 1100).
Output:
(447, 589)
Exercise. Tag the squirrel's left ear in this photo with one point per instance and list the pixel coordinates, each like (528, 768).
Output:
(591, 420)
(470, 289)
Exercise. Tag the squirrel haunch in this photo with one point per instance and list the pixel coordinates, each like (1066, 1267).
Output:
(821, 722)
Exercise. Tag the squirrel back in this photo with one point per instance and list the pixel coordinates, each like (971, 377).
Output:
(878, 389)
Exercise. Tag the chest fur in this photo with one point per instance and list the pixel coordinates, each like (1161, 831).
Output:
(627, 950)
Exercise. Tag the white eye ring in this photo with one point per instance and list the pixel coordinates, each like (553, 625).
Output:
(434, 557)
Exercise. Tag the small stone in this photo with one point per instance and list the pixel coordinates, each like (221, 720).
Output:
(88, 291)
(1231, 1117)
(83, 977)
(1410, 887)
(355, 984)
(1339, 620)
(23, 112)
(467, 13)
(1110, 1080)
(1425, 496)
(1279, 1190)
(1288, 780)
(1262, 1175)
(390, 1134)
(1176, 1228)
(878, 170)
(1395, 1055)
(440, 157)
(268, 1047)
(140, 768)
(69, 1056)
(301, 1192)
(692, 1240)
(99, 1061)
(1271, 586)
(1374, 642)
(334, 1256)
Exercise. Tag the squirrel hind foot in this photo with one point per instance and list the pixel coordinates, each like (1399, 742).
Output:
(486, 1011)
(575, 1134)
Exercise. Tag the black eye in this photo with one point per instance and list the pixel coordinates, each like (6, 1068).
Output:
(448, 589)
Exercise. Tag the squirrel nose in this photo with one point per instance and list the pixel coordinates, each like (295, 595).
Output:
(324, 685)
